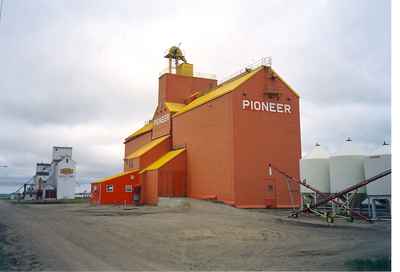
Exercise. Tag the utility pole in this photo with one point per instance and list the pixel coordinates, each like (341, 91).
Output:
(1, 9)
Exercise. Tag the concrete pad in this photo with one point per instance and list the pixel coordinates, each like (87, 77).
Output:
(173, 202)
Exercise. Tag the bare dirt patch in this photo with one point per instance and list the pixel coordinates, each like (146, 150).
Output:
(13, 255)
(202, 236)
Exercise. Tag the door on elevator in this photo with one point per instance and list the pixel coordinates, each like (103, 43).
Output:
(270, 193)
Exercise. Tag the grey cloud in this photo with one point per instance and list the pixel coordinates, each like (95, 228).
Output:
(84, 73)
(367, 125)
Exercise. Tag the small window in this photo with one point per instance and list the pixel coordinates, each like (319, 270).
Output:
(128, 188)
(110, 188)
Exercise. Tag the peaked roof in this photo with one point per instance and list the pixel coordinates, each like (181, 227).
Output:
(147, 147)
(227, 87)
(349, 148)
(382, 150)
(163, 160)
(142, 130)
(284, 82)
(317, 153)
(220, 90)
(174, 107)
(115, 176)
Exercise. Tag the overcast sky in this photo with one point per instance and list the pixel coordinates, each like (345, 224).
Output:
(85, 73)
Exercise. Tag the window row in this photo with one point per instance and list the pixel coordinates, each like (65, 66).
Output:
(129, 163)
(110, 188)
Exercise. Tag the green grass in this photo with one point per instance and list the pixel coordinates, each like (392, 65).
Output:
(3, 256)
(377, 264)
(53, 201)
(4, 196)
(3, 262)
(75, 200)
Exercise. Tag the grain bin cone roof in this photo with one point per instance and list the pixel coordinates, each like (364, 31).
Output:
(317, 153)
(349, 148)
(385, 149)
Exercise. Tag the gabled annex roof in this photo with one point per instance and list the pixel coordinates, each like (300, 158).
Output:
(220, 90)
(163, 160)
(174, 107)
(147, 147)
(115, 176)
(142, 130)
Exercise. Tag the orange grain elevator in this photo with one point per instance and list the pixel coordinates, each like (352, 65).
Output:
(215, 141)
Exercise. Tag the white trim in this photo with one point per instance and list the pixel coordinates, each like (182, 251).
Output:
(128, 186)
(108, 188)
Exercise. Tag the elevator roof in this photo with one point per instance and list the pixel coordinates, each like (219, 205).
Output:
(147, 147)
(115, 176)
(163, 160)
(220, 90)
(142, 130)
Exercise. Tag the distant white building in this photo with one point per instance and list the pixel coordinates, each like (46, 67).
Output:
(55, 180)
(62, 174)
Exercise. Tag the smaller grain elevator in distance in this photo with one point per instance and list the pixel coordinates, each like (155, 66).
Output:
(314, 168)
(346, 167)
(62, 175)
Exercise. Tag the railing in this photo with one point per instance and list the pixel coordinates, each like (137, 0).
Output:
(166, 71)
(195, 74)
(205, 75)
(265, 61)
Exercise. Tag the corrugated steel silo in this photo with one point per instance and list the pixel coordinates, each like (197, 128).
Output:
(374, 164)
(315, 169)
(346, 167)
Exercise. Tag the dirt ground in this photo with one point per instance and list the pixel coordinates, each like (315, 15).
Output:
(203, 236)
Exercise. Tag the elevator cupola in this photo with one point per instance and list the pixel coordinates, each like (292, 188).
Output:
(174, 56)
(178, 82)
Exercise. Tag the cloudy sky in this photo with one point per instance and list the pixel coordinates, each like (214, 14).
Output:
(84, 73)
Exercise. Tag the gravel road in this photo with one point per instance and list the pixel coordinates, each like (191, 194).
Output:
(203, 236)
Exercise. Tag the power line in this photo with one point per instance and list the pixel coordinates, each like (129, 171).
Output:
(1, 9)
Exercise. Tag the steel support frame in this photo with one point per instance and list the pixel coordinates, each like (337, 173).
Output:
(335, 198)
